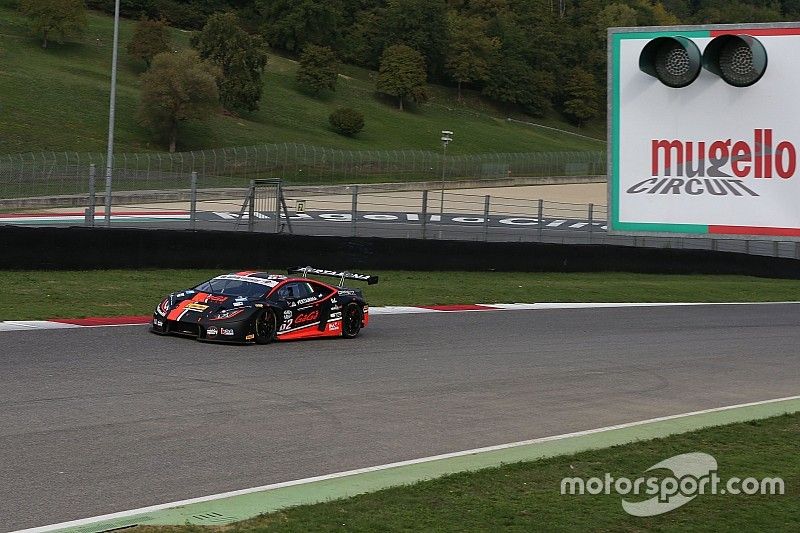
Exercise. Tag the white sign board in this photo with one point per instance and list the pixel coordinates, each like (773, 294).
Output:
(709, 158)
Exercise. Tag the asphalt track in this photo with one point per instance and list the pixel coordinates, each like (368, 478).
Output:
(100, 420)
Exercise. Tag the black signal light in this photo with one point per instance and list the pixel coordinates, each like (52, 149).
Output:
(740, 60)
(674, 61)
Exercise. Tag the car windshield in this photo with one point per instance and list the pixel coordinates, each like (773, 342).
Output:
(233, 285)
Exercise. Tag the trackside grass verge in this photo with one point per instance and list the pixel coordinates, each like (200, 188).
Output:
(32, 295)
(527, 496)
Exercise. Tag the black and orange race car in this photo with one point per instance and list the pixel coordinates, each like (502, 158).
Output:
(256, 307)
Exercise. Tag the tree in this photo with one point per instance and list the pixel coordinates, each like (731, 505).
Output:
(347, 121)
(581, 97)
(176, 88)
(291, 24)
(150, 37)
(362, 40)
(419, 24)
(615, 15)
(62, 18)
(469, 50)
(402, 74)
(317, 69)
(241, 59)
(514, 82)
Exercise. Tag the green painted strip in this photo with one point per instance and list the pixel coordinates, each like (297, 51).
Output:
(614, 222)
(664, 228)
(615, 151)
(245, 506)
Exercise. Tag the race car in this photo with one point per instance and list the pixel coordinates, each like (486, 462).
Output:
(257, 307)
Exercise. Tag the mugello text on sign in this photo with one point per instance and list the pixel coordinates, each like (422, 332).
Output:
(758, 159)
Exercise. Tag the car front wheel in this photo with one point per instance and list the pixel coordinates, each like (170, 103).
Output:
(266, 327)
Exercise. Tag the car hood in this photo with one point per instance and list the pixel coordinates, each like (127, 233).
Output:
(191, 305)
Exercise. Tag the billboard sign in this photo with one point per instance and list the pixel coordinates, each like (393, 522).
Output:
(704, 130)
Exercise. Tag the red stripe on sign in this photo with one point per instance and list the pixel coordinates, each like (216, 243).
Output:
(104, 321)
(458, 307)
(754, 230)
(98, 213)
(757, 32)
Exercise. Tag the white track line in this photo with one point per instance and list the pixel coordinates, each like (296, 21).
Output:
(27, 325)
(241, 492)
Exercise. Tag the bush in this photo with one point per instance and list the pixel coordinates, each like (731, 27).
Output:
(347, 121)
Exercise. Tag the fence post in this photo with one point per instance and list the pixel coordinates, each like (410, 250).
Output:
(591, 221)
(539, 218)
(486, 202)
(90, 209)
(278, 197)
(193, 205)
(251, 212)
(109, 172)
(424, 212)
(354, 210)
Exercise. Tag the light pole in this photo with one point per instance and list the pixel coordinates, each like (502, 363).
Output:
(447, 136)
(111, 106)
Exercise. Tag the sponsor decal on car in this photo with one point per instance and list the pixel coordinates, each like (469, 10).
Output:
(217, 299)
(287, 314)
(306, 300)
(249, 337)
(195, 306)
(226, 331)
(302, 318)
(211, 331)
(157, 322)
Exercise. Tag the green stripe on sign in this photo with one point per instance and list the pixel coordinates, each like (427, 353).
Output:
(664, 228)
(696, 34)
(617, 38)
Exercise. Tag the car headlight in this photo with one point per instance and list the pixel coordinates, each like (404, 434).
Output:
(163, 307)
(227, 313)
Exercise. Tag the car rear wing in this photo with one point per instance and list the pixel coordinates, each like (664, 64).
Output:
(371, 280)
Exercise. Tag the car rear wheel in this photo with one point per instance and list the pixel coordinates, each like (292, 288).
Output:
(266, 327)
(351, 320)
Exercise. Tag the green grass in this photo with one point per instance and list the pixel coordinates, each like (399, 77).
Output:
(39, 295)
(57, 100)
(525, 497)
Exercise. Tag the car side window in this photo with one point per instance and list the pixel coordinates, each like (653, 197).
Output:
(318, 289)
(294, 290)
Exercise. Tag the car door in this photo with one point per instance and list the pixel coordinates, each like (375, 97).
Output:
(307, 307)
(302, 307)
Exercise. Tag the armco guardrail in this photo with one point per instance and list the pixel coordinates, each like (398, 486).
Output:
(85, 248)
(185, 194)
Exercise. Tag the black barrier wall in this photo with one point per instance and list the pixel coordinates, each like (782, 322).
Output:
(78, 248)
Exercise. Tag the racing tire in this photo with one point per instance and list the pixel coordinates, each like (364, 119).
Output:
(266, 327)
(351, 320)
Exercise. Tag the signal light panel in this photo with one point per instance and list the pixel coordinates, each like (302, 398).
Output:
(740, 60)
